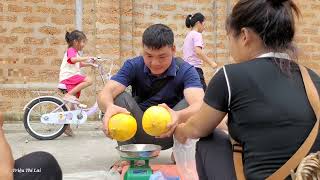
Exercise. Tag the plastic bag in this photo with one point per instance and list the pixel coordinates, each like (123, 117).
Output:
(113, 174)
(184, 155)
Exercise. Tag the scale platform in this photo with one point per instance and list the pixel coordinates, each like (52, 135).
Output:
(138, 152)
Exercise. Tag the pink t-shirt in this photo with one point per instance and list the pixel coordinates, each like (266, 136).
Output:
(71, 52)
(193, 39)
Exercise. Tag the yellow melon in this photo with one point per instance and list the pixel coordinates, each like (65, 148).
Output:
(122, 127)
(155, 120)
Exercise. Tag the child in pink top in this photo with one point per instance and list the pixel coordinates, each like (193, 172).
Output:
(70, 69)
(193, 45)
(70, 74)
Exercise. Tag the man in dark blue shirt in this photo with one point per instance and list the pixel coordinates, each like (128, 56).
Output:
(181, 92)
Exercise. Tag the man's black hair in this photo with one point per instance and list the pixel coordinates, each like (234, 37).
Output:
(157, 36)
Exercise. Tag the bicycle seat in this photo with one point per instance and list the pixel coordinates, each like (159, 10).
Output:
(62, 86)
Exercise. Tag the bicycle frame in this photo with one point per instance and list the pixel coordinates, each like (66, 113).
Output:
(80, 113)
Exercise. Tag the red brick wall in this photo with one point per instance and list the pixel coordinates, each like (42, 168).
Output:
(32, 43)
(32, 38)
(308, 34)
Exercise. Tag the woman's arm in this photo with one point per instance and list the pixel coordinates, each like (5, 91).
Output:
(224, 124)
(6, 158)
(182, 115)
(201, 124)
(202, 56)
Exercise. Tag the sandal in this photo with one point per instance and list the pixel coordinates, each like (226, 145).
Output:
(119, 165)
(68, 131)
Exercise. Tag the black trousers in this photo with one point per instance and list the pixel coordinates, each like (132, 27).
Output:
(125, 100)
(203, 82)
(37, 166)
(214, 157)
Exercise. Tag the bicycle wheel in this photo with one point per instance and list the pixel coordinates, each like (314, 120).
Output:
(32, 115)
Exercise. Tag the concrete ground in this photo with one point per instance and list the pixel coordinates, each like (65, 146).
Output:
(88, 155)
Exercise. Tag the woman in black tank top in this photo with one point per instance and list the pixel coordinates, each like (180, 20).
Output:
(263, 94)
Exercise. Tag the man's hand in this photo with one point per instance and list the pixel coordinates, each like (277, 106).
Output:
(111, 110)
(179, 135)
(173, 124)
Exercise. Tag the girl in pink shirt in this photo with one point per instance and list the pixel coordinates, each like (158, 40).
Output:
(70, 69)
(193, 45)
(70, 74)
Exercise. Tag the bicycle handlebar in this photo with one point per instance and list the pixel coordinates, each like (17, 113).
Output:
(99, 59)
(97, 62)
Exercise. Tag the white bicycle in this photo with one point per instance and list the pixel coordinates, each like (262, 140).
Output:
(46, 117)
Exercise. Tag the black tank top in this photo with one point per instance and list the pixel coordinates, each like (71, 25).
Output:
(269, 113)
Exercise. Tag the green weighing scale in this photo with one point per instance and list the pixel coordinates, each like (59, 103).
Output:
(138, 152)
